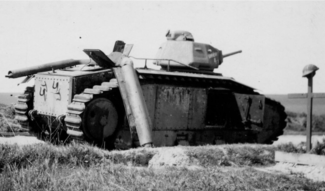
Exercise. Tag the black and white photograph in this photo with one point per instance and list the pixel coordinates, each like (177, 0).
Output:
(162, 95)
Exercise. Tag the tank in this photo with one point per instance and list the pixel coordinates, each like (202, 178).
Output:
(107, 102)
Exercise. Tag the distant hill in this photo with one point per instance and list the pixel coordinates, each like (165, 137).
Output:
(294, 105)
(299, 105)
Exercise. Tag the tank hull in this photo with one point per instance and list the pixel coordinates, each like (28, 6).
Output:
(196, 109)
(184, 109)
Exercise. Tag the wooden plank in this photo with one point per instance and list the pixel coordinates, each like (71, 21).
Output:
(298, 158)
(319, 95)
(295, 96)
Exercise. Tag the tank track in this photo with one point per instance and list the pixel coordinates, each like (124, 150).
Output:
(24, 105)
(283, 116)
(76, 108)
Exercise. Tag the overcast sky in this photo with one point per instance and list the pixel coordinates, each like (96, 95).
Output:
(277, 38)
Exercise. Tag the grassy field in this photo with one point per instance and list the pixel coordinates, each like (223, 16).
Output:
(299, 105)
(82, 167)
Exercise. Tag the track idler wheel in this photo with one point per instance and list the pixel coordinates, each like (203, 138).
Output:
(100, 119)
(93, 116)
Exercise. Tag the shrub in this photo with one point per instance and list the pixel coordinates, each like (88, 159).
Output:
(295, 127)
(3, 124)
(250, 155)
(319, 123)
(9, 112)
(298, 122)
(319, 148)
(303, 114)
(292, 114)
(291, 148)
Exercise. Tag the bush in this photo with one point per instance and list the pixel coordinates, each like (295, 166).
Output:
(303, 114)
(3, 124)
(319, 123)
(298, 122)
(291, 114)
(295, 127)
(291, 148)
(8, 123)
(250, 155)
(319, 148)
(9, 112)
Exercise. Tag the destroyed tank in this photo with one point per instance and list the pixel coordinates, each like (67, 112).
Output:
(107, 102)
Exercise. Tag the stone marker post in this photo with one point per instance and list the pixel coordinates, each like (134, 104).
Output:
(309, 72)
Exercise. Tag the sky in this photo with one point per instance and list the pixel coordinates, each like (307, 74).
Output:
(277, 38)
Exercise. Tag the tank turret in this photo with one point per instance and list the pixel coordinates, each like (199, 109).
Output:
(180, 47)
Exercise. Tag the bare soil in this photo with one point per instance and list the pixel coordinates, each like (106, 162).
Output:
(315, 173)
(20, 140)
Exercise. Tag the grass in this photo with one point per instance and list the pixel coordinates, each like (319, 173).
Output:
(7, 120)
(296, 123)
(119, 177)
(318, 149)
(83, 167)
(86, 155)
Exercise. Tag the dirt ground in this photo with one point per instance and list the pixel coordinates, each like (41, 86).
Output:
(315, 173)
(20, 140)
(178, 158)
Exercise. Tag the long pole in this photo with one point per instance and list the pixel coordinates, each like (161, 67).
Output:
(309, 112)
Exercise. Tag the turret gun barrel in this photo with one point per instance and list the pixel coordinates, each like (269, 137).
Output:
(230, 54)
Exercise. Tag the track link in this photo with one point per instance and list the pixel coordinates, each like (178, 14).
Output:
(76, 108)
(24, 105)
(282, 121)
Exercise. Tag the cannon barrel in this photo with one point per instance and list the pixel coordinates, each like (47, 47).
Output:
(230, 54)
(44, 67)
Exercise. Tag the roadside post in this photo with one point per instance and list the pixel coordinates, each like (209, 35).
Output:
(309, 72)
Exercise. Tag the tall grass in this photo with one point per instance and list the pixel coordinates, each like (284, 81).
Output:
(87, 155)
(44, 176)
(7, 120)
(83, 167)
